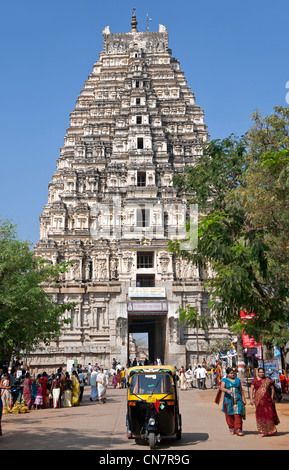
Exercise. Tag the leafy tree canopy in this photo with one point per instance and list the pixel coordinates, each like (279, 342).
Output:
(241, 188)
(28, 315)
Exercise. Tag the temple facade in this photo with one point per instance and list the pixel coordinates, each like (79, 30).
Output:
(112, 208)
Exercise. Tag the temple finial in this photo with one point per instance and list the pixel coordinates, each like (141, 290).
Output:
(134, 22)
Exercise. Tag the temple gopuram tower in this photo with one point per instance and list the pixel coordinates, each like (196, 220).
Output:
(112, 207)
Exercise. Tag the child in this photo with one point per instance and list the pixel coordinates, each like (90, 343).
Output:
(39, 399)
(34, 389)
(114, 380)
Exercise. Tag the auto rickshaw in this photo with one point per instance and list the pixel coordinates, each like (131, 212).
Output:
(152, 404)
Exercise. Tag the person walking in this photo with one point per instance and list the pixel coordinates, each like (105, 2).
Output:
(123, 378)
(198, 376)
(219, 374)
(89, 369)
(93, 384)
(101, 386)
(233, 403)
(126, 369)
(118, 378)
(114, 380)
(189, 374)
(183, 380)
(262, 396)
(201, 375)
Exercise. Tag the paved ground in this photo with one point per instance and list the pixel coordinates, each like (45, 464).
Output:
(93, 426)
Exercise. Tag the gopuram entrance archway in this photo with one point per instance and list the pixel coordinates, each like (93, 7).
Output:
(149, 318)
(112, 208)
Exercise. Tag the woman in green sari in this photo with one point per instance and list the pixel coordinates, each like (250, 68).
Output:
(234, 402)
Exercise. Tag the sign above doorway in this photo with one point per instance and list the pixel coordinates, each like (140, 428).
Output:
(147, 292)
(151, 307)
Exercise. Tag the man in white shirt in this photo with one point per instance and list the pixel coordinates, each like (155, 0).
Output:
(201, 375)
(89, 371)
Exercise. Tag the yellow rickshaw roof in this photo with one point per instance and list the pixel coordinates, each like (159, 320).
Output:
(153, 369)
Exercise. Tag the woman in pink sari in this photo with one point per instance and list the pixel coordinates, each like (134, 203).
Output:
(43, 381)
(219, 374)
(262, 396)
(27, 384)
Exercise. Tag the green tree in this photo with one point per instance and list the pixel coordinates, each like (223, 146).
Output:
(191, 317)
(28, 314)
(219, 346)
(266, 202)
(247, 275)
(265, 195)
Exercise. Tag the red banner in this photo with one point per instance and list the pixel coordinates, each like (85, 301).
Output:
(248, 341)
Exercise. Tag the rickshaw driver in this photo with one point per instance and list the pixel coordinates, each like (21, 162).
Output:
(151, 384)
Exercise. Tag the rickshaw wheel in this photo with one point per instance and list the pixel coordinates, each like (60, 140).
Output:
(179, 430)
(179, 434)
(152, 440)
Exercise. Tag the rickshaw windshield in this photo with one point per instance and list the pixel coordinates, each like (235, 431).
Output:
(145, 384)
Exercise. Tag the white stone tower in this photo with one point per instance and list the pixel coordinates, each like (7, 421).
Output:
(112, 208)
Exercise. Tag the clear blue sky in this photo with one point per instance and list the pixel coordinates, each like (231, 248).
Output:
(235, 56)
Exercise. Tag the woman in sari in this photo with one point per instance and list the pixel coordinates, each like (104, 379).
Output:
(27, 385)
(56, 391)
(183, 380)
(75, 389)
(118, 379)
(38, 402)
(101, 386)
(219, 375)
(93, 384)
(234, 401)
(262, 396)
(6, 395)
(2, 388)
(66, 386)
(43, 380)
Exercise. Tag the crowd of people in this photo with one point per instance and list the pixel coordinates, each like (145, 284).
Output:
(200, 376)
(56, 390)
(23, 393)
(41, 392)
(65, 389)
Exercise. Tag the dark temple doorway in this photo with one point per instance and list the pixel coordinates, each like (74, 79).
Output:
(152, 330)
